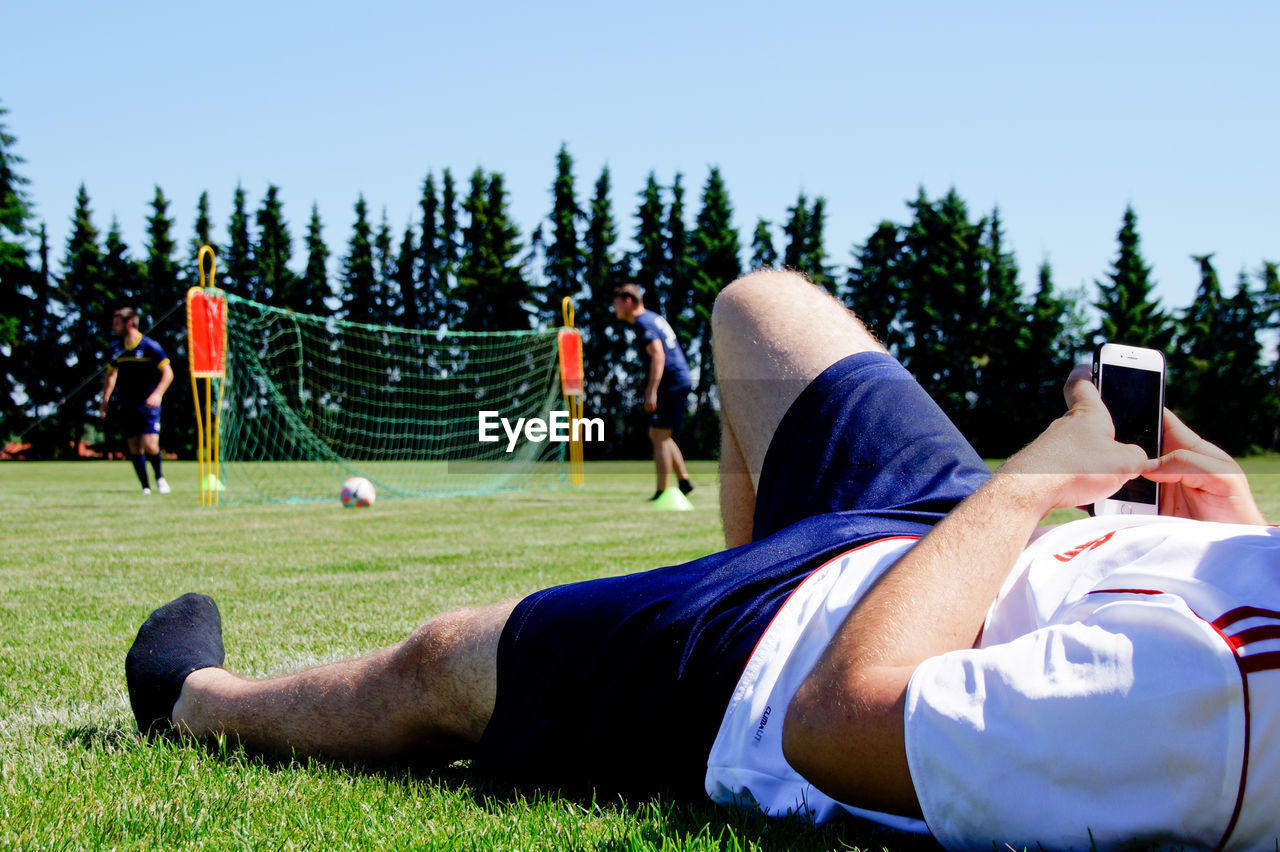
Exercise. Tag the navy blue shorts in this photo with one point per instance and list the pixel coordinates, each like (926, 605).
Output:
(621, 682)
(139, 419)
(671, 407)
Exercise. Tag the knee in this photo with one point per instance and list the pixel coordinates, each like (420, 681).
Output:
(759, 287)
(756, 296)
(430, 651)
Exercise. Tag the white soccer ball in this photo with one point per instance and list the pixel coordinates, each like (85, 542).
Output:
(358, 492)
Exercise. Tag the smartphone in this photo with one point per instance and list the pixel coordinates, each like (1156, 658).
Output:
(1131, 382)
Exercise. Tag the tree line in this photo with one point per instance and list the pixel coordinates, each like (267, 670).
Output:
(939, 289)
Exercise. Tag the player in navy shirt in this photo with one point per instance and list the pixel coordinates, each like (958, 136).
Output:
(138, 374)
(667, 383)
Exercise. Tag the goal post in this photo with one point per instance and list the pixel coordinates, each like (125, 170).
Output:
(308, 401)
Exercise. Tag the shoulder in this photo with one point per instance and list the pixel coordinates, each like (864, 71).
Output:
(151, 347)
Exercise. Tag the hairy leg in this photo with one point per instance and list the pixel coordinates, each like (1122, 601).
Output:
(426, 698)
(773, 332)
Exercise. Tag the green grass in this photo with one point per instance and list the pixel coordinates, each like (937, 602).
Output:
(84, 558)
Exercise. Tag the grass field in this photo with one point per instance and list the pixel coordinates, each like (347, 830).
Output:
(84, 558)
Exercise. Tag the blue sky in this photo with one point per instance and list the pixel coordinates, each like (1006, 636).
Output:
(1060, 115)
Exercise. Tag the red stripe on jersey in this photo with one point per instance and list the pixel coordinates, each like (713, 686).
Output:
(1255, 634)
(1240, 613)
(1267, 661)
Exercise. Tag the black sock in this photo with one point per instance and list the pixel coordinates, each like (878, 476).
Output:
(180, 637)
(656, 494)
(155, 465)
(685, 486)
(140, 468)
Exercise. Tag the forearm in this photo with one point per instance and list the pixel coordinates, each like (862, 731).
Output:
(657, 366)
(166, 379)
(935, 599)
(848, 713)
(108, 387)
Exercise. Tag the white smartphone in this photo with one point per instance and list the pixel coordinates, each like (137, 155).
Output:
(1131, 382)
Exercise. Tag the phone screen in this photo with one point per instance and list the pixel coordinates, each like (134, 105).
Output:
(1133, 398)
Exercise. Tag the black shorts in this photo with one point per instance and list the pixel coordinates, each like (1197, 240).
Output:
(621, 682)
(671, 408)
(139, 419)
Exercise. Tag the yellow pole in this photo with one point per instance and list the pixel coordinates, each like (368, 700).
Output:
(573, 402)
(207, 445)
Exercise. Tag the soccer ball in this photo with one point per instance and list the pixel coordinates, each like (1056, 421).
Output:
(358, 492)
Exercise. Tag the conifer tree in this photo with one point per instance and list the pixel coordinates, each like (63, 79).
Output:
(875, 288)
(202, 236)
(648, 263)
(161, 289)
(121, 276)
(714, 251)
(405, 281)
(805, 251)
(1247, 407)
(492, 285)
(386, 292)
(429, 304)
(1000, 338)
(796, 232)
(358, 279)
(1130, 311)
(86, 330)
(449, 243)
(612, 377)
(943, 309)
(1192, 364)
(273, 281)
(17, 307)
(236, 260)
(679, 274)
(763, 254)
(565, 258)
(314, 285)
(1047, 354)
(534, 262)
(40, 354)
(816, 266)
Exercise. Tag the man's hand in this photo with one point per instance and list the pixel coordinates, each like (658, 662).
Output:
(1077, 459)
(154, 400)
(102, 411)
(1200, 480)
(651, 401)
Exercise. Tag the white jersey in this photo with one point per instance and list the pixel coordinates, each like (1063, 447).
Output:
(1126, 676)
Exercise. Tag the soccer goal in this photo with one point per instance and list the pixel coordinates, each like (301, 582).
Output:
(308, 401)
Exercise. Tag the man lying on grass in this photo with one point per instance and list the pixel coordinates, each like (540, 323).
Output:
(880, 637)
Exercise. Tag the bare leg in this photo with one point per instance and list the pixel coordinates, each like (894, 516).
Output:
(737, 494)
(677, 459)
(661, 455)
(427, 698)
(773, 333)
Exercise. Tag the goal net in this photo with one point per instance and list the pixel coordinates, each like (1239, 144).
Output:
(308, 401)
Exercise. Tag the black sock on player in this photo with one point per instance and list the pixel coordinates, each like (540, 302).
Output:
(140, 468)
(178, 638)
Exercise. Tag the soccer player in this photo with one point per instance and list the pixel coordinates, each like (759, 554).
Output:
(891, 633)
(138, 374)
(666, 383)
